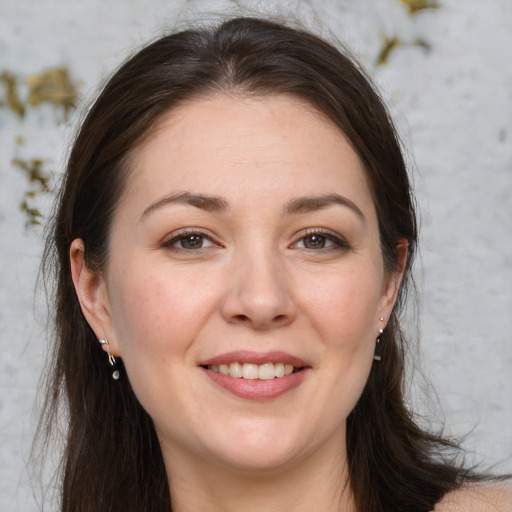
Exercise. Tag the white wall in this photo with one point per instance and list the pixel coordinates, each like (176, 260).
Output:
(453, 104)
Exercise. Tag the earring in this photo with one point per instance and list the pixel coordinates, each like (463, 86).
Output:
(377, 357)
(111, 358)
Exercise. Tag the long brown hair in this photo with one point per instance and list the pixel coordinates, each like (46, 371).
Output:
(112, 459)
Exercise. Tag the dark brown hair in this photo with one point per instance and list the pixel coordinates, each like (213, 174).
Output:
(112, 459)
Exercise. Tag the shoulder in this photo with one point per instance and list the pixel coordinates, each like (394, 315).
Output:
(478, 497)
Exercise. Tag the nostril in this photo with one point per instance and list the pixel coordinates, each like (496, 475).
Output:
(260, 321)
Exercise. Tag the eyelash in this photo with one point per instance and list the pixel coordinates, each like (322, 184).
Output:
(338, 243)
(184, 234)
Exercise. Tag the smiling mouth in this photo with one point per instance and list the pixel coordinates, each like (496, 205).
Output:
(250, 371)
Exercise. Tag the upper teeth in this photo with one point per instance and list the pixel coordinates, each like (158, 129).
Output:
(266, 371)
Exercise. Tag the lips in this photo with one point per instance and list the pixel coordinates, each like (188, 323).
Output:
(256, 375)
(245, 356)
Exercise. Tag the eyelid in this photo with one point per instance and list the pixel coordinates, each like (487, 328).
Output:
(175, 236)
(340, 241)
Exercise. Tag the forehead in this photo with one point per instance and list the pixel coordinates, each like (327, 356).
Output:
(239, 146)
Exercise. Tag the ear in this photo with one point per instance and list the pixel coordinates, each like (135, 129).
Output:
(394, 279)
(91, 291)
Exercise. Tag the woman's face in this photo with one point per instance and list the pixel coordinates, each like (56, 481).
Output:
(245, 243)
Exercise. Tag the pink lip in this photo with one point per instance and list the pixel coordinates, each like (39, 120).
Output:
(257, 390)
(246, 356)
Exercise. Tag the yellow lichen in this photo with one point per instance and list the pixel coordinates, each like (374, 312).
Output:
(391, 44)
(388, 45)
(414, 6)
(33, 171)
(53, 86)
(39, 183)
(33, 214)
(11, 93)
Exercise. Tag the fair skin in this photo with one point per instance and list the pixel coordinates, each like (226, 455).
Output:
(246, 234)
(478, 498)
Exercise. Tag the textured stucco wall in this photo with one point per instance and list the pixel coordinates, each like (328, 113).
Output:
(453, 104)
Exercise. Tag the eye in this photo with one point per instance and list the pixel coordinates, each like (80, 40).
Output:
(321, 240)
(189, 241)
(192, 241)
(314, 242)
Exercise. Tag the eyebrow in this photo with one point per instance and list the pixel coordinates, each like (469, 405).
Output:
(314, 203)
(202, 201)
(211, 203)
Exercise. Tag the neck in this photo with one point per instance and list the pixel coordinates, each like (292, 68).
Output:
(319, 482)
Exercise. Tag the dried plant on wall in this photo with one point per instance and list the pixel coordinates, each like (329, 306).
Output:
(53, 86)
(414, 6)
(38, 182)
(12, 99)
(391, 43)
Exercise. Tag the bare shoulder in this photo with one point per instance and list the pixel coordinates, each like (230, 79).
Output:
(482, 497)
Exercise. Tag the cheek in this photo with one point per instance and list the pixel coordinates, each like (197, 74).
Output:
(158, 312)
(341, 309)
(156, 319)
(346, 314)
(344, 308)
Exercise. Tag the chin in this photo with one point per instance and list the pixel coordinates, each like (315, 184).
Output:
(259, 450)
(266, 461)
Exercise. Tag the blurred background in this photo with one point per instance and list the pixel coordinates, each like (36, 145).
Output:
(444, 68)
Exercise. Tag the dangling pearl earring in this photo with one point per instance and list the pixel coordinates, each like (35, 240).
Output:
(111, 359)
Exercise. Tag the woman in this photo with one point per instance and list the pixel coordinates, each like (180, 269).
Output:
(232, 246)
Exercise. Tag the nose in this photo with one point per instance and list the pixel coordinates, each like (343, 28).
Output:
(258, 293)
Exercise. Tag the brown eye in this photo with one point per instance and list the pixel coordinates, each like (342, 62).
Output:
(191, 242)
(322, 242)
(314, 242)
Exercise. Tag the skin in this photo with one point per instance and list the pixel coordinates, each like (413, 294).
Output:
(478, 498)
(257, 283)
